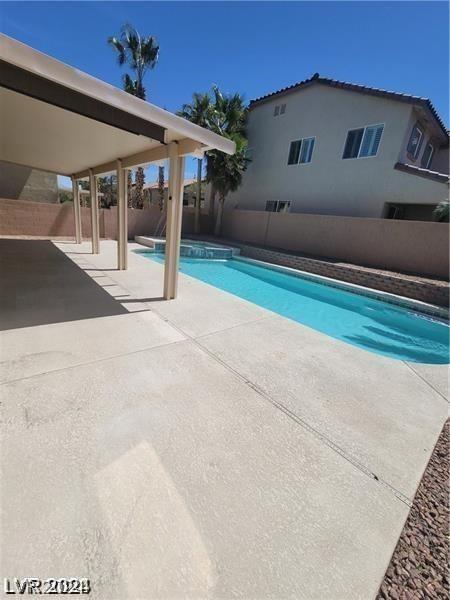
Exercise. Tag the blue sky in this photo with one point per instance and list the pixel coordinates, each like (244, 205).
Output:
(250, 47)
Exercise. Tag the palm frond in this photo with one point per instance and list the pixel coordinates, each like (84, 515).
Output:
(139, 53)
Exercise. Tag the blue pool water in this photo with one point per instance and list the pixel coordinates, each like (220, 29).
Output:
(365, 322)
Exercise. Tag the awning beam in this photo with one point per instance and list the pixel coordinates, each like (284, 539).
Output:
(185, 147)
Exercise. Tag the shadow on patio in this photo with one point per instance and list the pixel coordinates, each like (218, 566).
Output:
(41, 285)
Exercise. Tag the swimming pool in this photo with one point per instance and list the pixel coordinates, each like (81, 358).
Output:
(369, 323)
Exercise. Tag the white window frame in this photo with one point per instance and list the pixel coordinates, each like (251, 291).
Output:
(309, 137)
(364, 127)
(277, 206)
(415, 156)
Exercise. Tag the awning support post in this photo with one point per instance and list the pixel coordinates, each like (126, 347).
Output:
(76, 210)
(174, 219)
(122, 217)
(95, 227)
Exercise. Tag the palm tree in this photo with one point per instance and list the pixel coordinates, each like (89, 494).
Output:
(224, 173)
(140, 54)
(442, 212)
(200, 112)
(230, 113)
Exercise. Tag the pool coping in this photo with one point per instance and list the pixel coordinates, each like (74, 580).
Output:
(433, 310)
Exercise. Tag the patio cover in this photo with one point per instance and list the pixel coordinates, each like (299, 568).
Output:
(59, 119)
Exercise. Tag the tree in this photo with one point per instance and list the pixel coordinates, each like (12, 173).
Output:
(200, 112)
(225, 114)
(108, 189)
(224, 173)
(442, 212)
(140, 54)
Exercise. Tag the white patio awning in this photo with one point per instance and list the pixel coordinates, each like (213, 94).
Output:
(56, 118)
(59, 119)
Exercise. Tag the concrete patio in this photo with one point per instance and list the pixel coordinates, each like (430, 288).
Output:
(197, 448)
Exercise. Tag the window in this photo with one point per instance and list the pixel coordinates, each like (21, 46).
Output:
(306, 150)
(294, 152)
(283, 206)
(427, 156)
(279, 110)
(363, 142)
(278, 206)
(415, 141)
(301, 151)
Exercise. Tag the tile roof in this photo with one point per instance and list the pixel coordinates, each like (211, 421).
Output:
(364, 89)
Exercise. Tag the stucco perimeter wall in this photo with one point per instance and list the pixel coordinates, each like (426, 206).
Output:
(405, 246)
(19, 217)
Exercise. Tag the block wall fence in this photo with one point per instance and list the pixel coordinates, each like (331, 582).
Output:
(20, 217)
(420, 247)
(404, 246)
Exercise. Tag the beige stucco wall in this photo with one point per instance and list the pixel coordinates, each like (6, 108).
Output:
(329, 184)
(409, 246)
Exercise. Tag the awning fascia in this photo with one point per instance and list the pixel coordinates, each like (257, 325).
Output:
(38, 63)
(22, 81)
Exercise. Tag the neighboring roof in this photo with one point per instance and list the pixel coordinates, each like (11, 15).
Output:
(59, 119)
(353, 87)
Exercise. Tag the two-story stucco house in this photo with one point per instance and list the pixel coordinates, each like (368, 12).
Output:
(328, 147)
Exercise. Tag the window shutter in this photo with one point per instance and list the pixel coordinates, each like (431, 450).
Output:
(307, 150)
(371, 140)
(271, 206)
(377, 140)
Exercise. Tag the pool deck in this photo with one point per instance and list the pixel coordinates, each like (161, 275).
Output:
(197, 448)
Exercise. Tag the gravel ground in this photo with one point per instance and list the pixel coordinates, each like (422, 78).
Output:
(418, 567)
